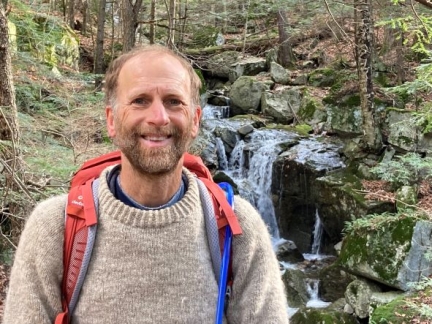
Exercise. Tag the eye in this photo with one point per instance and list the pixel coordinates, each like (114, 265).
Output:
(139, 101)
(173, 102)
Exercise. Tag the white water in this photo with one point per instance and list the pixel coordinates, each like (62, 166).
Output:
(317, 234)
(312, 289)
(221, 154)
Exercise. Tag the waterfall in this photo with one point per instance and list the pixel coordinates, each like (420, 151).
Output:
(222, 158)
(317, 234)
(312, 287)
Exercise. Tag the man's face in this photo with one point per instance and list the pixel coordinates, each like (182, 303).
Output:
(154, 122)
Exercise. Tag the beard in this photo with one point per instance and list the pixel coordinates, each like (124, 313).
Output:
(154, 160)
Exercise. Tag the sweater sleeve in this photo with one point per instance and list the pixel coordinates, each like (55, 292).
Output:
(258, 293)
(34, 287)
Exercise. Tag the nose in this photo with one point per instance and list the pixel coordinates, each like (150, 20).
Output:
(158, 115)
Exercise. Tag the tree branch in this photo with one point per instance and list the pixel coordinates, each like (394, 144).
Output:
(426, 3)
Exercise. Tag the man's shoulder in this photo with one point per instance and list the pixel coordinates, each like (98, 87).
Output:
(49, 212)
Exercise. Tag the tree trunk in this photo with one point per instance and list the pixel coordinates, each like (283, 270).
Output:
(285, 54)
(130, 12)
(71, 13)
(85, 17)
(171, 24)
(364, 44)
(152, 19)
(9, 133)
(99, 66)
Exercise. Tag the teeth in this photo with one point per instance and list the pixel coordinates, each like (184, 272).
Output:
(155, 138)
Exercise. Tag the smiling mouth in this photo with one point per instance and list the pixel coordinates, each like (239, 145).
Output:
(156, 138)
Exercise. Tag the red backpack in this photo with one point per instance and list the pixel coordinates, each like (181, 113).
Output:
(81, 223)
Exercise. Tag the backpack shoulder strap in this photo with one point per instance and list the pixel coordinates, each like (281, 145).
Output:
(80, 234)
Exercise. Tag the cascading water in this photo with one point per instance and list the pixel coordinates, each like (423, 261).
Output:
(317, 234)
(312, 290)
(222, 157)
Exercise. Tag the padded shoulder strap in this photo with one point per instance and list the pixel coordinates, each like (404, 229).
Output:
(211, 228)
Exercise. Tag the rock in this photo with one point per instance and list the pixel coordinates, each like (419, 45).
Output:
(322, 77)
(12, 36)
(220, 65)
(321, 316)
(382, 298)
(338, 247)
(288, 252)
(218, 100)
(246, 129)
(282, 104)
(333, 282)
(228, 137)
(358, 295)
(391, 252)
(247, 66)
(406, 197)
(397, 311)
(246, 94)
(300, 80)
(402, 135)
(345, 118)
(271, 56)
(348, 309)
(279, 74)
(295, 285)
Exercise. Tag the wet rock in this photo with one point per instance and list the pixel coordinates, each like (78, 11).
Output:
(288, 252)
(333, 282)
(295, 285)
(244, 130)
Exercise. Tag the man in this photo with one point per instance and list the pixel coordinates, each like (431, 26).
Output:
(151, 261)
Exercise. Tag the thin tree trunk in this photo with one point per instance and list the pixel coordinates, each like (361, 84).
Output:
(184, 18)
(85, 17)
(71, 13)
(245, 26)
(9, 132)
(99, 65)
(285, 53)
(171, 24)
(152, 19)
(364, 45)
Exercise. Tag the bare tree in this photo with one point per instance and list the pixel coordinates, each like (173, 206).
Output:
(99, 66)
(152, 21)
(171, 23)
(130, 10)
(71, 13)
(364, 46)
(285, 53)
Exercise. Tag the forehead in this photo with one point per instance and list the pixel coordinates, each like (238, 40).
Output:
(154, 67)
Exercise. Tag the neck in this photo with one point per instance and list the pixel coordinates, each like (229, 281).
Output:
(150, 190)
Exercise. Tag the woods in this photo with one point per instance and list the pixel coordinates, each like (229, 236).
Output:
(347, 84)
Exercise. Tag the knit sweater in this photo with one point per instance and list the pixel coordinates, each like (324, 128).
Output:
(147, 267)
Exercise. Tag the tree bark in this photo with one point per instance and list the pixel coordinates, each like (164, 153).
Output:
(85, 17)
(171, 24)
(152, 18)
(130, 12)
(285, 53)
(364, 45)
(9, 133)
(99, 66)
(426, 3)
(71, 13)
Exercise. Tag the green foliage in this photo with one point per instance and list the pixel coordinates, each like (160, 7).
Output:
(407, 169)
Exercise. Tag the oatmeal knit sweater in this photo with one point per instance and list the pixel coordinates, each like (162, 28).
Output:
(147, 267)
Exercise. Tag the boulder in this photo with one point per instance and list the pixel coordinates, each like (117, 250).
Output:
(312, 315)
(382, 298)
(333, 281)
(345, 117)
(288, 252)
(219, 65)
(358, 295)
(323, 78)
(295, 285)
(279, 74)
(282, 104)
(246, 129)
(247, 66)
(397, 311)
(390, 252)
(402, 135)
(228, 137)
(246, 95)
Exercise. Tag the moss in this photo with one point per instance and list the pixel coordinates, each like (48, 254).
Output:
(322, 316)
(395, 312)
(308, 110)
(203, 88)
(303, 129)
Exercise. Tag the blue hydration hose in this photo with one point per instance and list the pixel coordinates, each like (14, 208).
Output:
(223, 278)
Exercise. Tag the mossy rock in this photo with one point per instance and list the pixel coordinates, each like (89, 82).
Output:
(397, 311)
(322, 316)
(322, 77)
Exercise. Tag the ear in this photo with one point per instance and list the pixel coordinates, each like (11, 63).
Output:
(196, 122)
(110, 121)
